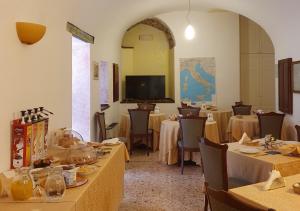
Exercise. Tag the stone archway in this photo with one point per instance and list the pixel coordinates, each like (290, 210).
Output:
(160, 25)
(148, 49)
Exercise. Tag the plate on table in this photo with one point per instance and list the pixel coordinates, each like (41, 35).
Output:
(249, 150)
(79, 182)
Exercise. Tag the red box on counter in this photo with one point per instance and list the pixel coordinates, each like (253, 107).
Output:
(29, 142)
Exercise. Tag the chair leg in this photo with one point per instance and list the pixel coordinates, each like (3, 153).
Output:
(179, 156)
(182, 160)
(131, 144)
(205, 203)
(148, 148)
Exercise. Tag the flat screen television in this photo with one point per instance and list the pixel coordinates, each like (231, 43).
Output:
(144, 87)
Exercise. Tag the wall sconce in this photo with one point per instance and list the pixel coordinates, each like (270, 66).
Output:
(30, 33)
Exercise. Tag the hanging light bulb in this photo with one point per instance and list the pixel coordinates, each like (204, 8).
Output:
(189, 32)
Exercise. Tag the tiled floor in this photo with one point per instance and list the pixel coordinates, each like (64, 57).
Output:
(150, 185)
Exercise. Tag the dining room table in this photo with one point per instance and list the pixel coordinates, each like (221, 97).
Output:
(155, 120)
(222, 117)
(103, 191)
(168, 149)
(250, 125)
(280, 199)
(254, 163)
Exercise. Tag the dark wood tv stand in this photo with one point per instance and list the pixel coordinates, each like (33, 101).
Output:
(164, 100)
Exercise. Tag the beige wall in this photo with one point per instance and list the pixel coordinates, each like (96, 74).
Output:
(217, 35)
(257, 66)
(149, 57)
(40, 74)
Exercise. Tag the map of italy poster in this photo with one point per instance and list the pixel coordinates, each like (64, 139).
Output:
(197, 79)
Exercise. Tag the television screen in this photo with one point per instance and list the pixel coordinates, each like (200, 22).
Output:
(145, 87)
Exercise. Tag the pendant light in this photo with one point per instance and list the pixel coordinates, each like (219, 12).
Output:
(189, 32)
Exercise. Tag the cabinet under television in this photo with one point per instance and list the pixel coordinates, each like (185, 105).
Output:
(149, 88)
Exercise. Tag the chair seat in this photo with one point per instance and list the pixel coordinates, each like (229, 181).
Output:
(196, 148)
(122, 139)
(237, 182)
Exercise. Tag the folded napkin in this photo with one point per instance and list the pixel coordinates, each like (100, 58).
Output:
(112, 141)
(210, 117)
(245, 139)
(275, 181)
(292, 149)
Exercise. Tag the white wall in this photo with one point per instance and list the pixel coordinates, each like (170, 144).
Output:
(40, 74)
(46, 66)
(217, 35)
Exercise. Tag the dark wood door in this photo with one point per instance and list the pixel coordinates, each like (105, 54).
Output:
(285, 88)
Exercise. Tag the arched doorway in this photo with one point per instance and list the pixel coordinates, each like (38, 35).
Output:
(148, 50)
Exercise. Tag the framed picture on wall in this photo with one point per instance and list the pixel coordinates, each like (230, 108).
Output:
(95, 70)
(115, 82)
(296, 76)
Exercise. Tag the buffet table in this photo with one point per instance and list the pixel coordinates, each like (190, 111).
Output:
(168, 149)
(154, 123)
(281, 199)
(103, 191)
(256, 167)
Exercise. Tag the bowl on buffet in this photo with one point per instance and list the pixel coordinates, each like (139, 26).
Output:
(69, 147)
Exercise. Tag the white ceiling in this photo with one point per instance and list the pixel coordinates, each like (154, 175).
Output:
(280, 18)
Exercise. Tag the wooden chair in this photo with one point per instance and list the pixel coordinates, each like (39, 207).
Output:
(220, 200)
(270, 123)
(146, 106)
(189, 111)
(100, 126)
(241, 109)
(102, 129)
(298, 131)
(184, 105)
(214, 164)
(191, 129)
(238, 103)
(139, 120)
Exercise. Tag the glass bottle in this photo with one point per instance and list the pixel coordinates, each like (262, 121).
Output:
(38, 191)
(21, 187)
(55, 184)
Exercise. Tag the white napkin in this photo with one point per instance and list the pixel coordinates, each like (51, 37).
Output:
(245, 139)
(210, 117)
(275, 181)
(112, 141)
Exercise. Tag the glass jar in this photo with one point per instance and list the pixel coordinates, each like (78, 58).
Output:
(22, 187)
(55, 186)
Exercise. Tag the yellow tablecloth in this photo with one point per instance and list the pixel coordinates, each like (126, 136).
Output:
(154, 123)
(281, 199)
(245, 123)
(103, 192)
(255, 168)
(222, 118)
(249, 124)
(168, 150)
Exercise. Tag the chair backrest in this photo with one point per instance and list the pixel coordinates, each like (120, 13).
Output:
(298, 132)
(184, 105)
(146, 106)
(139, 120)
(270, 123)
(241, 109)
(223, 200)
(214, 163)
(100, 126)
(238, 103)
(189, 111)
(192, 129)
